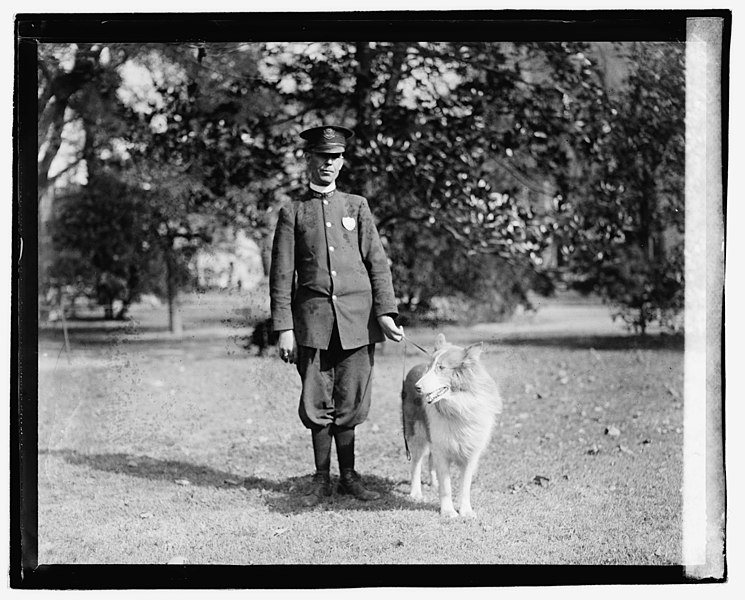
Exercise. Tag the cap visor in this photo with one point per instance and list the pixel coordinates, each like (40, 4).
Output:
(330, 148)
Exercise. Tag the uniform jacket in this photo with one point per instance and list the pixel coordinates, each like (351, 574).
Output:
(328, 265)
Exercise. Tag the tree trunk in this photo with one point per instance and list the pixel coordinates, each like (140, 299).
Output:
(121, 315)
(362, 89)
(398, 57)
(52, 104)
(175, 325)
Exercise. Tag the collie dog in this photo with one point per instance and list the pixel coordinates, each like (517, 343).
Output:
(449, 408)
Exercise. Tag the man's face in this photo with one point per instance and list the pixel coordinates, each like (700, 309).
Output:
(324, 167)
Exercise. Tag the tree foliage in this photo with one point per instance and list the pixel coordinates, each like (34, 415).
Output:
(104, 243)
(478, 158)
(458, 147)
(626, 224)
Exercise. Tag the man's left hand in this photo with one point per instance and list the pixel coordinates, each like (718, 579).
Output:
(390, 329)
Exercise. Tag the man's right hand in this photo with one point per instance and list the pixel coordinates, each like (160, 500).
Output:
(287, 346)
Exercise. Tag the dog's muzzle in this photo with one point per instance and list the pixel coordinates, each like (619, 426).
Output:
(436, 395)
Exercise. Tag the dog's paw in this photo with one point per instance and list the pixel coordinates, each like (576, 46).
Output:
(467, 513)
(448, 513)
(416, 496)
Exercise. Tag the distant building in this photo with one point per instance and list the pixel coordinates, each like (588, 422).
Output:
(232, 262)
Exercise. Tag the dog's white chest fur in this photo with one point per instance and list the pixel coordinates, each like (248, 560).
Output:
(461, 431)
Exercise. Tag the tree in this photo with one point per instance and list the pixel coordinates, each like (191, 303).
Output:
(626, 228)
(103, 243)
(203, 154)
(477, 157)
(179, 148)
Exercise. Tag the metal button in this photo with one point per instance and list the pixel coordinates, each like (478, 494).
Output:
(333, 297)
(333, 273)
(325, 201)
(331, 248)
(328, 223)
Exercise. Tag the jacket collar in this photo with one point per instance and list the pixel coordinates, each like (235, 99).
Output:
(325, 190)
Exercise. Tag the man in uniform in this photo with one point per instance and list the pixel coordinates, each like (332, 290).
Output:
(332, 300)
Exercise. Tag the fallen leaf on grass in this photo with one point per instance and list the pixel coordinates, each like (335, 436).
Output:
(182, 481)
(541, 480)
(624, 449)
(231, 481)
(612, 431)
(133, 463)
(515, 487)
(146, 515)
(595, 449)
(280, 531)
(673, 392)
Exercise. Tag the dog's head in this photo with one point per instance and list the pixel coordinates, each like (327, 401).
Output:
(448, 370)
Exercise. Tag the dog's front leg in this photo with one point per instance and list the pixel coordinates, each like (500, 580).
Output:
(432, 472)
(442, 468)
(417, 458)
(464, 501)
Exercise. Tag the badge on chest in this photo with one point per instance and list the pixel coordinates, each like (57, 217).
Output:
(348, 223)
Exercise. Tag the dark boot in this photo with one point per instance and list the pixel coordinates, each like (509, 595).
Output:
(349, 483)
(320, 487)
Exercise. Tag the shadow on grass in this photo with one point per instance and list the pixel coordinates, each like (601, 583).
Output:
(599, 342)
(155, 336)
(279, 495)
(217, 340)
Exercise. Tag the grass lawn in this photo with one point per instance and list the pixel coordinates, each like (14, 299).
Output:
(152, 450)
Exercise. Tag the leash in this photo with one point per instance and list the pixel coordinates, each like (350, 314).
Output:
(417, 346)
(403, 379)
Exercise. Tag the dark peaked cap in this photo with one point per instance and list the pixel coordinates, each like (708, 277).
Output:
(327, 138)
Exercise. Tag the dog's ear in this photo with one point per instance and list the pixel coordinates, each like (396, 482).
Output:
(440, 342)
(472, 353)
